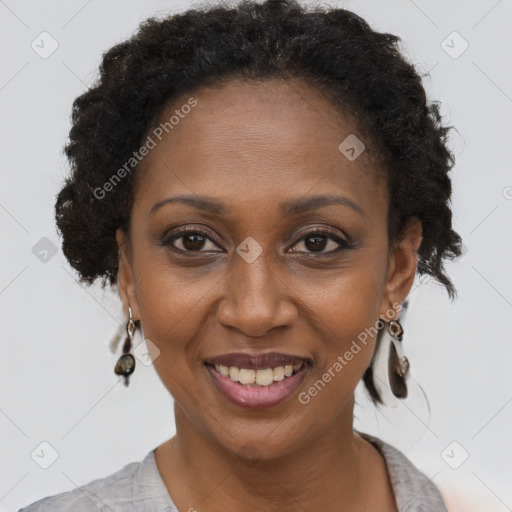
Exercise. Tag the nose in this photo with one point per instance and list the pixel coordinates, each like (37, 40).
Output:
(256, 300)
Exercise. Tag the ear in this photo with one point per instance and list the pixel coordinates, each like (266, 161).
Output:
(125, 278)
(403, 262)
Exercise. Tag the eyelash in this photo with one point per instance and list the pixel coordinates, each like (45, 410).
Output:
(168, 239)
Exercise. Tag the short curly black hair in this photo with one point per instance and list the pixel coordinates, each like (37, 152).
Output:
(362, 71)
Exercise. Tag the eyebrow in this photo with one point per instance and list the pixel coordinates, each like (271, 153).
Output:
(291, 207)
(305, 204)
(204, 203)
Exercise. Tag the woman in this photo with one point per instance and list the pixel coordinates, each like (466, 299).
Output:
(261, 184)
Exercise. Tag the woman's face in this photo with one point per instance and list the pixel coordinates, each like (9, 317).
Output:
(267, 266)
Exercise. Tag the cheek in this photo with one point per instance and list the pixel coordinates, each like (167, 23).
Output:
(168, 321)
(347, 352)
(345, 318)
(171, 302)
(349, 336)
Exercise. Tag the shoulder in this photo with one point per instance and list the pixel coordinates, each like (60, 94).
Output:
(414, 492)
(136, 486)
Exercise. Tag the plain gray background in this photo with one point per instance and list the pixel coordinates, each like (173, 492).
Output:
(56, 370)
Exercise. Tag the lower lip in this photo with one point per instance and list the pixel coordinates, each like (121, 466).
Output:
(257, 397)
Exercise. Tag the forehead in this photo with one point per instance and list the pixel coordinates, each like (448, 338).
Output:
(246, 140)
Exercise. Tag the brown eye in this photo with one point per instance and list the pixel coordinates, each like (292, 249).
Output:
(193, 242)
(318, 241)
(189, 240)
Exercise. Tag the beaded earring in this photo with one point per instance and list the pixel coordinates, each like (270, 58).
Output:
(125, 365)
(398, 364)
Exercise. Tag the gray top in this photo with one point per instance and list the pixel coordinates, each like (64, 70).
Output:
(138, 487)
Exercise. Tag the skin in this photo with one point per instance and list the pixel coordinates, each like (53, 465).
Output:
(252, 146)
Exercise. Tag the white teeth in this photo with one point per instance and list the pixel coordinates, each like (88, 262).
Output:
(246, 376)
(263, 377)
(279, 373)
(233, 373)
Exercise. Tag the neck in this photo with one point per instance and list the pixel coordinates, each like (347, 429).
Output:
(325, 474)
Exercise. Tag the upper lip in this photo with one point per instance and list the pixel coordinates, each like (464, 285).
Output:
(257, 361)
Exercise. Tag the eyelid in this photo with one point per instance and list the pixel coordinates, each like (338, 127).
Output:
(343, 242)
(176, 233)
(323, 230)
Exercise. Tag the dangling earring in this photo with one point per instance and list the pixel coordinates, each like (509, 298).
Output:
(126, 363)
(398, 364)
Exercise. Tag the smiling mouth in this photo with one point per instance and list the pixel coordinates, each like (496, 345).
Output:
(258, 387)
(257, 377)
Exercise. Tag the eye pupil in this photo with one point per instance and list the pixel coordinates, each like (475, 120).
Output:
(320, 242)
(196, 239)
